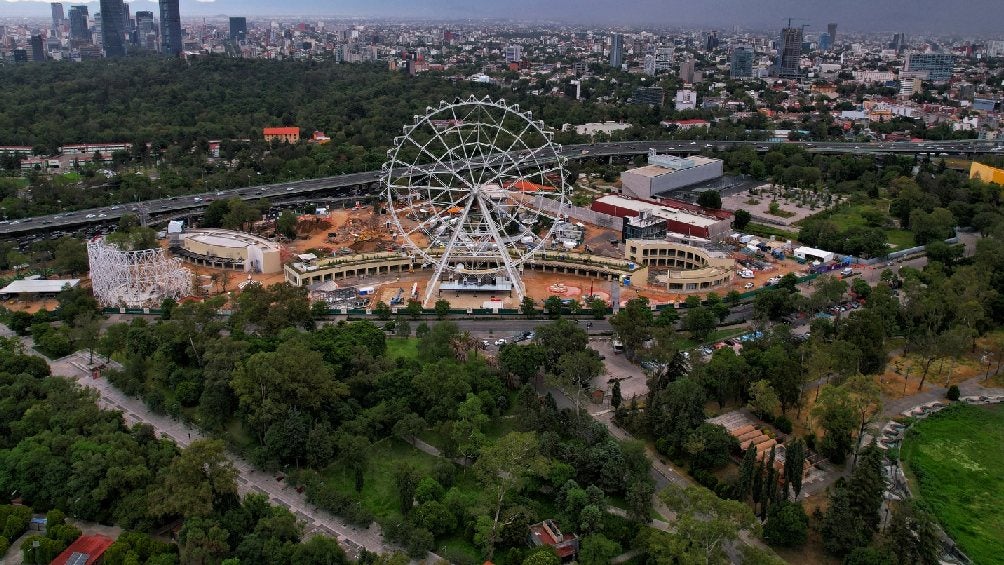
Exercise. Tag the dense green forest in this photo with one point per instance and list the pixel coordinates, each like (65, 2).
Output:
(61, 454)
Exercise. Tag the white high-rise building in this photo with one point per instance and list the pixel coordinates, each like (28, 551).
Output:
(513, 54)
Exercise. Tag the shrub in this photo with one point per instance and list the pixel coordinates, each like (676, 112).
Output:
(15, 521)
(953, 393)
(64, 533)
(783, 424)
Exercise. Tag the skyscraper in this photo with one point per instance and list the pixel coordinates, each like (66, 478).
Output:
(513, 54)
(687, 74)
(37, 48)
(57, 15)
(78, 24)
(742, 63)
(825, 43)
(126, 19)
(170, 27)
(112, 34)
(832, 30)
(617, 51)
(789, 53)
(238, 29)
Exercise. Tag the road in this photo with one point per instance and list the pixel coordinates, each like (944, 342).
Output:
(367, 182)
(249, 480)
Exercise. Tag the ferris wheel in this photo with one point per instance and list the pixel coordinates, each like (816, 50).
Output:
(475, 188)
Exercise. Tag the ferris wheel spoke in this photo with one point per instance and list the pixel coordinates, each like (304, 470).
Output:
(446, 168)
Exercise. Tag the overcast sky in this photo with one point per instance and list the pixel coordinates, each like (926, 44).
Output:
(965, 17)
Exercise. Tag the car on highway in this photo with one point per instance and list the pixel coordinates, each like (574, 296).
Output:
(289, 188)
(89, 216)
(500, 342)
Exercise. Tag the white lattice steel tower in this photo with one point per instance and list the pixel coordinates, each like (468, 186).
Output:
(461, 184)
(135, 279)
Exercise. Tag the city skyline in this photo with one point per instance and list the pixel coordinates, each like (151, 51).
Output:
(931, 16)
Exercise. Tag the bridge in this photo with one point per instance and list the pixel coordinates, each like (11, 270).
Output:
(365, 183)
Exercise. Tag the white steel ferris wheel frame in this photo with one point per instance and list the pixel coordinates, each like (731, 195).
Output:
(466, 165)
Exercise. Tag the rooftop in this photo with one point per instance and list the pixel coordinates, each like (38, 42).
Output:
(281, 131)
(86, 550)
(657, 210)
(50, 286)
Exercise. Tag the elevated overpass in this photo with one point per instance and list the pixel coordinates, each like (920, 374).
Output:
(365, 183)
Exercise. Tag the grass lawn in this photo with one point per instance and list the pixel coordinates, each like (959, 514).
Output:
(853, 215)
(955, 461)
(379, 494)
(402, 347)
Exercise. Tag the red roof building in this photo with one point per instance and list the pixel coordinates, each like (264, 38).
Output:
(288, 135)
(86, 550)
(547, 533)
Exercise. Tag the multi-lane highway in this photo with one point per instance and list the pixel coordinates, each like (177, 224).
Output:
(366, 182)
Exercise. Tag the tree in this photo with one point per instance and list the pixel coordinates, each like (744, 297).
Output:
(841, 527)
(723, 375)
(413, 309)
(710, 199)
(633, 324)
(861, 288)
(598, 308)
(615, 395)
(741, 219)
(409, 426)
(596, 549)
(835, 413)
(709, 446)
(700, 321)
(382, 310)
(794, 466)
(747, 468)
(522, 361)
(502, 468)
(406, 479)
(268, 384)
(558, 337)
(527, 307)
(442, 308)
(552, 305)
(867, 486)
(704, 527)
(578, 368)
(763, 400)
(402, 328)
(71, 256)
(912, 536)
(468, 429)
(865, 397)
(674, 412)
(787, 525)
(195, 482)
(286, 224)
(542, 556)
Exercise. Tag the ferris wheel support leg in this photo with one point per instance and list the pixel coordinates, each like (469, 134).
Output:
(434, 281)
(510, 269)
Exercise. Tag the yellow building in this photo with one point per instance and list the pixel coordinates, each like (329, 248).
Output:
(986, 173)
